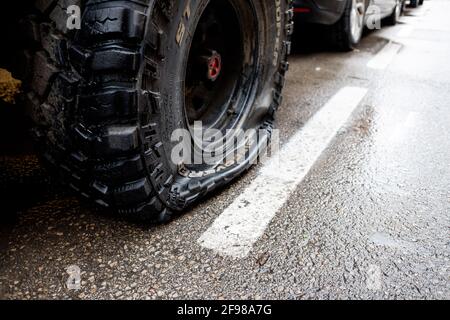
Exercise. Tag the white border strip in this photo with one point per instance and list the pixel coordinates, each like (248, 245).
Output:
(385, 57)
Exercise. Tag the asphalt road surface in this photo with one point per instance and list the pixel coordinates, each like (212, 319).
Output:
(365, 212)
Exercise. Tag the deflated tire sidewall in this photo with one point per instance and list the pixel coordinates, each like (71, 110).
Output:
(177, 27)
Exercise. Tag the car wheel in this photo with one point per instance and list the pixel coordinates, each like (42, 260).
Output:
(403, 4)
(107, 98)
(347, 32)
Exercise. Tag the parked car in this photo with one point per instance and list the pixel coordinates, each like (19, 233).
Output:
(347, 18)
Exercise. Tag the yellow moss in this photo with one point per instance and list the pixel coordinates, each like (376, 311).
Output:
(9, 87)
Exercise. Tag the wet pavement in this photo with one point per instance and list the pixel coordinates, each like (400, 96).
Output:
(370, 220)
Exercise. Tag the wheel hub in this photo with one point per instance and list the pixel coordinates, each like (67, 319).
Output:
(214, 64)
(209, 85)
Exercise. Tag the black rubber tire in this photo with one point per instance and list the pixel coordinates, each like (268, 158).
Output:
(340, 33)
(392, 20)
(107, 99)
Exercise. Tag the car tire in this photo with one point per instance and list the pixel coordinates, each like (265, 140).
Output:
(106, 99)
(394, 17)
(347, 32)
(403, 3)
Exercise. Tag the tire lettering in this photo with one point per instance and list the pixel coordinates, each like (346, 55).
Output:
(182, 27)
(278, 25)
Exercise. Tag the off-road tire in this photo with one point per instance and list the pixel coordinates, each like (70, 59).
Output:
(105, 98)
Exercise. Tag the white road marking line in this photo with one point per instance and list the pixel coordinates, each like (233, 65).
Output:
(235, 231)
(412, 119)
(402, 129)
(405, 31)
(384, 58)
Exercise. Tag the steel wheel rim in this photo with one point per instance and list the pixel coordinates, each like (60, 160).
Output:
(357, 19)
(398, 10)
(221, 69)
